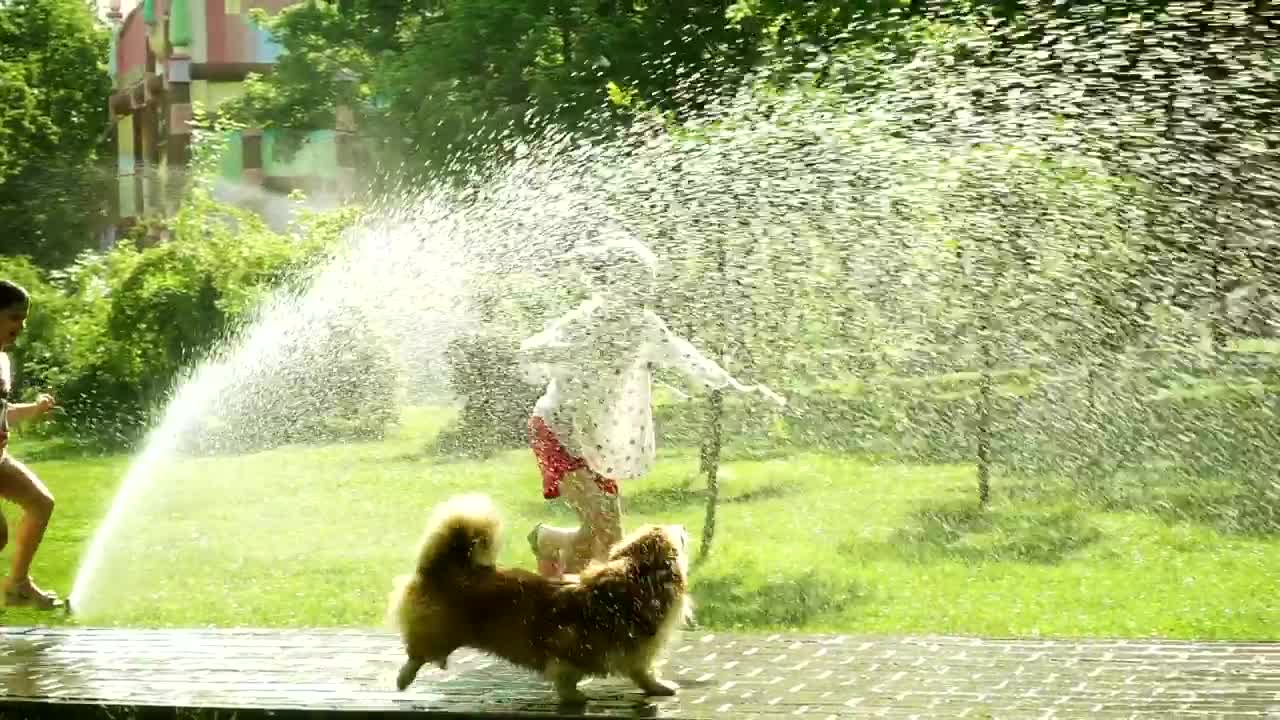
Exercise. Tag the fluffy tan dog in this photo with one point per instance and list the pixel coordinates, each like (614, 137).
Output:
(614, 619)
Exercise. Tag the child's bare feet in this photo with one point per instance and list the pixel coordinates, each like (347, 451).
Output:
(25, 593)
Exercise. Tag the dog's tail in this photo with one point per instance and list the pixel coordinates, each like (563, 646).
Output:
(462, 535)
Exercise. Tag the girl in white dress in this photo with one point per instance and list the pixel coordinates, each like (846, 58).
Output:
(593, 426)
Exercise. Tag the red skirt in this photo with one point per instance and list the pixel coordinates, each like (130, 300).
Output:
(554, 461)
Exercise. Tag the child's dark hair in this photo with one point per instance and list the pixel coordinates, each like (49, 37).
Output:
(13, 295)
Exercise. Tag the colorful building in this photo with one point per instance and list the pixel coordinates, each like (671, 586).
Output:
(167, 56)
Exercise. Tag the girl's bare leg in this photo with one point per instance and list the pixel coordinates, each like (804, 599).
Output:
(600, 522)
(21, 486)
(569, 550)
(554, 546)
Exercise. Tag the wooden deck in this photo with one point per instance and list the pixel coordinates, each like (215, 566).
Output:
(51, 672)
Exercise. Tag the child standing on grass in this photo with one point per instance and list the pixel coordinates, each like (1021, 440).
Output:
(17, 483)
(593, 426)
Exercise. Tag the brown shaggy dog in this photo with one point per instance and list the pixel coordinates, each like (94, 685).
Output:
(615, 619)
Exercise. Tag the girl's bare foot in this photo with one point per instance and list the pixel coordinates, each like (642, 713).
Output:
(549, 545)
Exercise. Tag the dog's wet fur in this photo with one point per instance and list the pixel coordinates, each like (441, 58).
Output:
(615, 618)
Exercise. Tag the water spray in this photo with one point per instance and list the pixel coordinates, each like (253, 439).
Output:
(944, 216)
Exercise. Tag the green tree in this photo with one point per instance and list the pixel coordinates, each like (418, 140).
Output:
(53, 122)
(439, 80)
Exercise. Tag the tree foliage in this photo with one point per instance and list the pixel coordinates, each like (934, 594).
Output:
(53, 123)
(113, 332)
(436, 81)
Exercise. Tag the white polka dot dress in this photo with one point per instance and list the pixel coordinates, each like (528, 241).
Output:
(597, 363)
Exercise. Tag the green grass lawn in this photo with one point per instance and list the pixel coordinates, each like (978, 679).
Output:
(312, 536)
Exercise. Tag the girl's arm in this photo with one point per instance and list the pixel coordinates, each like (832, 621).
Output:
(540, 354)
(673, 351)
(679, 354)
(19, 412)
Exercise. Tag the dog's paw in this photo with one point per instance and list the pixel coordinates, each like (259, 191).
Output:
(571, 696)
(566, 678)
(661, 687)
(407, 673)
(652, 685)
